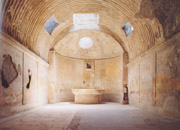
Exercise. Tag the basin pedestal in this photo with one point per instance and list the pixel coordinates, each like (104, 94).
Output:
(87, 96)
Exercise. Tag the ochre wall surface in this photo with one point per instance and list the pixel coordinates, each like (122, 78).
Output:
(17, 97)
(152, 48)
(154, 78)
(71, 73)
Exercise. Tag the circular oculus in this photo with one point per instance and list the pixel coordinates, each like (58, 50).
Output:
(85, 43)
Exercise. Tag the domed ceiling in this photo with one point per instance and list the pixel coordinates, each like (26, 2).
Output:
(152, 21)
(103, 45)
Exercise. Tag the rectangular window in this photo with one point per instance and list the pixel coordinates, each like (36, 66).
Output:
(51, 24)
(85, 19)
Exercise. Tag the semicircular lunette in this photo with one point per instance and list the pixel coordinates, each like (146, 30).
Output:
(88, 44)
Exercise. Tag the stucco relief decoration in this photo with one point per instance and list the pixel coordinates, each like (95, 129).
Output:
(29, 82)
(9, 72)
(89, 65)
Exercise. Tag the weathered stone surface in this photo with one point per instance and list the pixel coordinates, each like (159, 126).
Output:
(87, 96)
(108, 116)
(134, 84)
(146, 80)
(31, 93)
(168, 80)
(107, 75)
(153, 79)
(157, 80)
(9, 71)
(166, 11)
(20, 60)
(11, 96)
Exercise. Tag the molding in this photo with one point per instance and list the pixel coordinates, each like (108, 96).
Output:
(91, 59)
(15, 44)
(153, 50)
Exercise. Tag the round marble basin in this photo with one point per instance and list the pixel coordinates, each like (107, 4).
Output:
(87, 96)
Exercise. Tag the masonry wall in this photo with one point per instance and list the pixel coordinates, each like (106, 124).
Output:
(17, 96)
(72, 73)
(154, 78)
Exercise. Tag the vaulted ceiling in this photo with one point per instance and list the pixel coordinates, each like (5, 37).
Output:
(153, 20)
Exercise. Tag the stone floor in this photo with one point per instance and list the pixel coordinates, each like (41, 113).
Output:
(69, 116)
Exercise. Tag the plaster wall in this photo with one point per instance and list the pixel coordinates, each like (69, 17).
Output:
(72, 73)
(154, 78)
(17, 97)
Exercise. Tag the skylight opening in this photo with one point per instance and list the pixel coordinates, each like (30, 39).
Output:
(51, 24)
(85, 21)
(128, 28)
(86, 43)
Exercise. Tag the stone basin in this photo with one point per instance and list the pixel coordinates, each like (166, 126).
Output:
(87, 96)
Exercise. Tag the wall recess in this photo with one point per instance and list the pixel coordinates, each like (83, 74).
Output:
(89, 65)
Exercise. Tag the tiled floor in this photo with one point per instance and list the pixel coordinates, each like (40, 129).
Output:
(69, 116)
